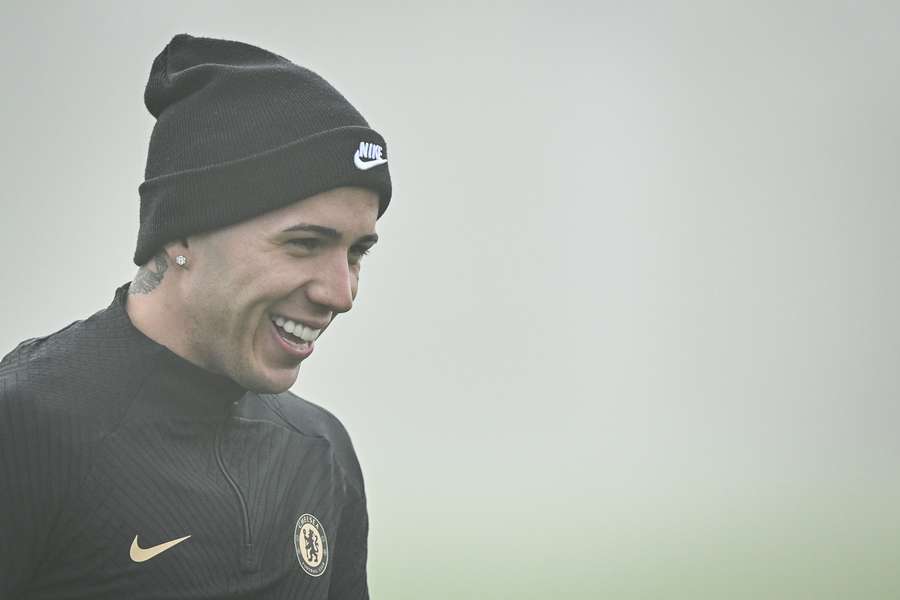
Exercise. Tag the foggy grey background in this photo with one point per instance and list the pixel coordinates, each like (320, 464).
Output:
(632, 328)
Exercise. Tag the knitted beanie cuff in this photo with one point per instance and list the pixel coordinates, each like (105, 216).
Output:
(177, 205)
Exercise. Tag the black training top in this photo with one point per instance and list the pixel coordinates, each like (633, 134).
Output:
(128, 472)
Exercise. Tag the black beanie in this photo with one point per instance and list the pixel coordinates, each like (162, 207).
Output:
(241, 131)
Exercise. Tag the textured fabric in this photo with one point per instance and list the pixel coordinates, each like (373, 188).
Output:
(106, 435)
(241, 131)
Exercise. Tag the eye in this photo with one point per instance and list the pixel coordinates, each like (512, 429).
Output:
(308, 244)
(357, 253)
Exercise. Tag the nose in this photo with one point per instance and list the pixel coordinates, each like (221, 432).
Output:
(334, 284)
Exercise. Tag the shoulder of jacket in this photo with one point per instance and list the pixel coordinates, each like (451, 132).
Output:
(75, 374)
(311, 419)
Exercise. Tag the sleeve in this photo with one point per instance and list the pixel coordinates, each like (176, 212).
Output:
(349, 581)
(35, 475)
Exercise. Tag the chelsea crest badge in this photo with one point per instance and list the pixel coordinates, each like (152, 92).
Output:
(311, 545)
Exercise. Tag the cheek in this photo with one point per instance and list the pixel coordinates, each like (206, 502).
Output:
(224, 305)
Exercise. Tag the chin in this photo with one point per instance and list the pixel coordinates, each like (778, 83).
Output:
(272, 384)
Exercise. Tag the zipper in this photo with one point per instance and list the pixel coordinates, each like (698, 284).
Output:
(248, 556)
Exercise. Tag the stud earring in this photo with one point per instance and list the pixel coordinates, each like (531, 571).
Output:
(180, 260)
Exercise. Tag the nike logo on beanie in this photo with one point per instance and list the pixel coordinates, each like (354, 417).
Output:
(369, 151)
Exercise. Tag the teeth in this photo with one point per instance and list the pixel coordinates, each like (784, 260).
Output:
(300, 330)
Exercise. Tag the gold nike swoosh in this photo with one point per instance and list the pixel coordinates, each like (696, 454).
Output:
(139, 554)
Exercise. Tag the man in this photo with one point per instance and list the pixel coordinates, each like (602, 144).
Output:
(153, 450)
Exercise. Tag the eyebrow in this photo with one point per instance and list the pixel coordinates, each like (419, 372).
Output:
(329, 232)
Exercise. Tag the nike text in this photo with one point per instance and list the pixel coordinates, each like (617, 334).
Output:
(368, 155)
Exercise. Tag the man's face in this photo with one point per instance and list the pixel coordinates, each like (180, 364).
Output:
(299, 263)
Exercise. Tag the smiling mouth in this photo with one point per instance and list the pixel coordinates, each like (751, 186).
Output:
(295, 332)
